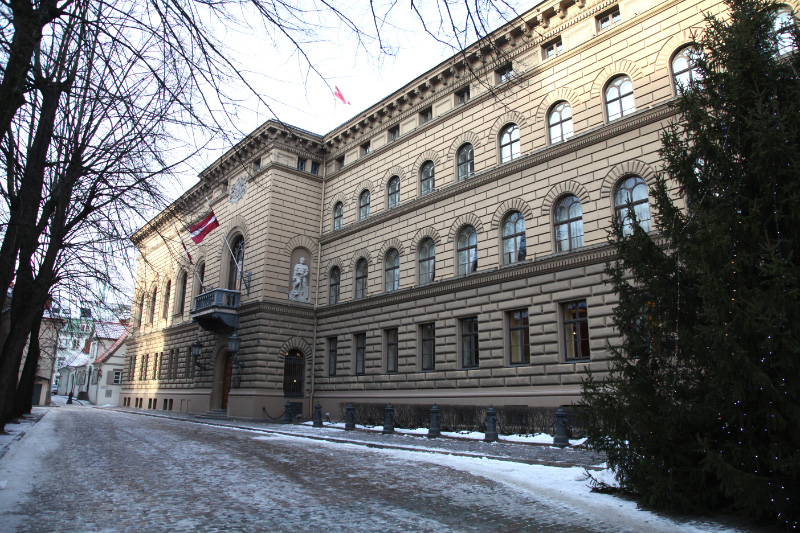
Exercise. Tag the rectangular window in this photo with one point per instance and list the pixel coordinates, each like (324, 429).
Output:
(608, 19)
(504, 74)
(462, 96)
(315, 168)
(117, 377)
(301, 164)
(394, 133)
(391, 350)
(552, 49)
(143, 368)
(519, 337)
(365, 149)
(360, 342)
(469, 342)
(428, 341)
(339, 163)
(425, 116)
(189, 370)
(332, 346)
(257, 165)
(576, 330)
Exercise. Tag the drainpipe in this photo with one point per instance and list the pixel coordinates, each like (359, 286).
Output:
(316, 289)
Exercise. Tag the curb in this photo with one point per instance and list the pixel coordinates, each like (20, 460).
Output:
(369, 444)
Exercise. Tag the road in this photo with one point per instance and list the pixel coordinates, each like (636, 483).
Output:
(86, 469)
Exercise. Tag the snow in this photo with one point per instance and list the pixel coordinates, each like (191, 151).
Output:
(539, 438)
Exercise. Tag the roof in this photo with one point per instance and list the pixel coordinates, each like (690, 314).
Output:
(109, 330)
(75, 358)
(105, 355)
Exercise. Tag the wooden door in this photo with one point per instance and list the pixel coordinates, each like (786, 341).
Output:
(226, 381)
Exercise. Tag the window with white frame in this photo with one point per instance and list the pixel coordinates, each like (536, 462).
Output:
(392, 270)
(427, 261)
(560, 122)
(509, 143)
(619, 98)
(393, 192)
(514, 244)
(631, 202)
(426, 178)
(467, 251)
(466, 162)
(568, 224)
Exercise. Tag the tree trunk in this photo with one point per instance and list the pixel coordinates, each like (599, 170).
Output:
(24, 400)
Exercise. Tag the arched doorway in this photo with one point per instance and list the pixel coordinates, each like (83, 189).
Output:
(226, 380)
(294, 370)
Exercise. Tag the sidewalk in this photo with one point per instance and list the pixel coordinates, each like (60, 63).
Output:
(535, 454)
(14, 432)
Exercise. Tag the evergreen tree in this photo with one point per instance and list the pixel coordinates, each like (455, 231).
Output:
(701, 408)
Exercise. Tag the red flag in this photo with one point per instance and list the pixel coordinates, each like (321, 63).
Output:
(338, 94)
(199, 231)
(185, 249)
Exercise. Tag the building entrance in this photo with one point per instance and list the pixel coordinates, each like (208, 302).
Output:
(293, 372)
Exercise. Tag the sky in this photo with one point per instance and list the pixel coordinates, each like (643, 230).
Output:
(365, 71)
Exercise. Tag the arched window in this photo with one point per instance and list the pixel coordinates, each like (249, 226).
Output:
(141, 311)
(165, 305)
(153, 305)
(509, 143)
(427, 261)
(466, 162)
(333, 286)
(363, 205)
(337, 216)
(235, 263)
(361, 278)
(181, 303)
(514, 246)
(782, 26)
(619, 98)
(684, 71)
(426, 183)
(631, 192)
(391, 268)
(198, 282)
(467, 251)
(560, 121)
(569, 224)
(393, 192)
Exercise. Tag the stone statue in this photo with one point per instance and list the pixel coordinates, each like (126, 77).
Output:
(299, 292)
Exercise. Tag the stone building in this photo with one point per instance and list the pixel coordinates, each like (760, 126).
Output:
(446, 244)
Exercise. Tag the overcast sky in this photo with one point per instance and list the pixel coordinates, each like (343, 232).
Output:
(364, 74)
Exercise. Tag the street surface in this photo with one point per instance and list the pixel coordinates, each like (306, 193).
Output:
(86, 469)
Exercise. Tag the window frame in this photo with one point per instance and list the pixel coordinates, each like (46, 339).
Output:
(620, 207)
(315, 168)
(466, 163)
(519, 239)
(609, 13)
(462, 96)
(427, 178)
(116, 377)
(504, 74)
(567, 223)
(583, 329)
(559, 107)
(165, 303)
(426, 115)
(784, 46)
(690, 69)
(393, 133)
(333, 347)
(426, 265)
(334, 287)
(360, 279)
(469, 334)
(338, 212)
(183, 284)
(363, 206)
(509, 129)
(519, 338)
(360, 353)
(153, 301)
(301, 164)
(427, 343)
(340, 163)
(553, 48)
(391, 270)
(391, 338)
(393, 192)
(470, 266)
(617, 82)
(365, 149)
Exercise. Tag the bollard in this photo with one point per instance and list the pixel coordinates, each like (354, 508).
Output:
(561, 424)
(287, 413)
(491, 425)
(388, 422)
(434, 430)
(350, 417)
(317, 416)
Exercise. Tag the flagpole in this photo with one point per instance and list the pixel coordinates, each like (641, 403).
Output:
(233, 256)
(194, 267)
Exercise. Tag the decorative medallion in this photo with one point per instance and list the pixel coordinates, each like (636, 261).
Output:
(238, 189)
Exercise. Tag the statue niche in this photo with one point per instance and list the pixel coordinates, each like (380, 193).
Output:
(300, 279)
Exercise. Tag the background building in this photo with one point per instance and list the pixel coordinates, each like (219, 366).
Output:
(445, 245)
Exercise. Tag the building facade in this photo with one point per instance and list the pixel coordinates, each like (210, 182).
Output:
(445, 245)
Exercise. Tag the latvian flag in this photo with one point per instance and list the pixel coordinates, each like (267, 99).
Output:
(199, 231)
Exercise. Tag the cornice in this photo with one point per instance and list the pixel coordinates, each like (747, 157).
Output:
(589, 255)
(278, 308)
(643, 118)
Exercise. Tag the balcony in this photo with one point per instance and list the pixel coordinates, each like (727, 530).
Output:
(217, 310)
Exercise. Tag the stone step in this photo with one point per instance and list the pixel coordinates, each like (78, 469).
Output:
(214, 414)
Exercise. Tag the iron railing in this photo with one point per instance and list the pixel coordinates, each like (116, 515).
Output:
(219, 298)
